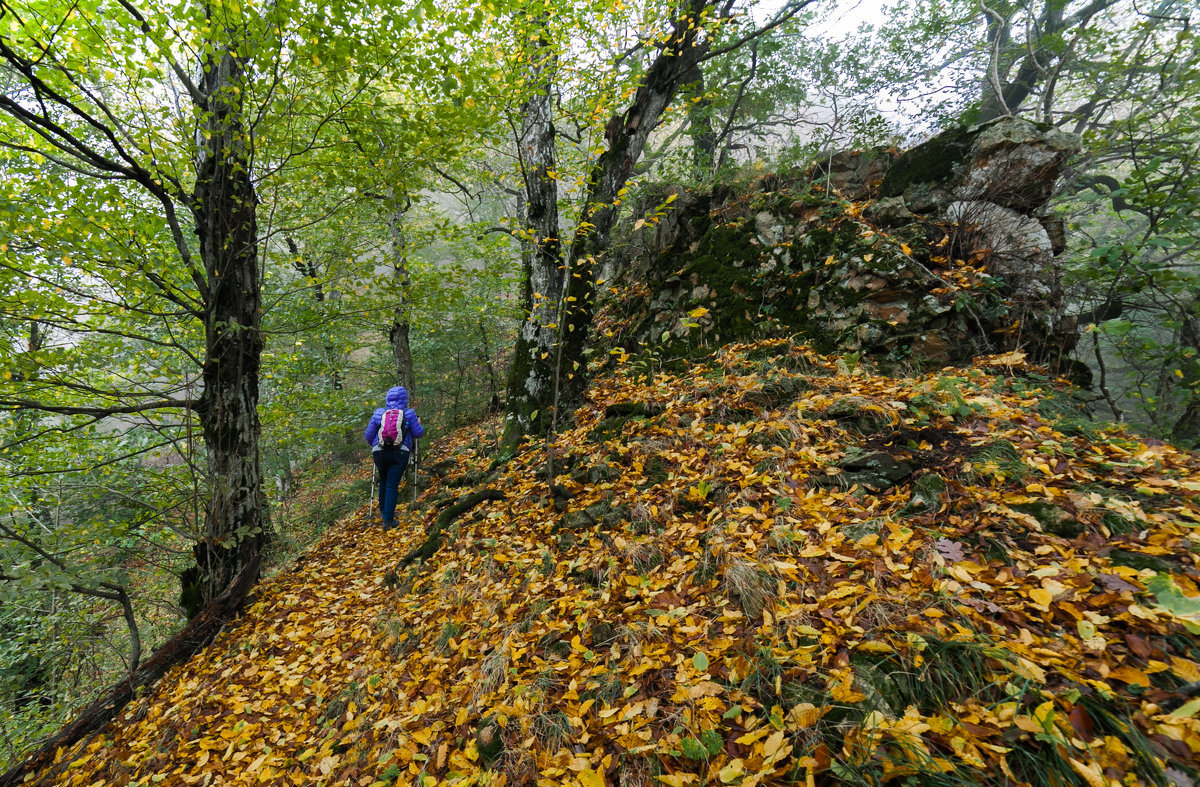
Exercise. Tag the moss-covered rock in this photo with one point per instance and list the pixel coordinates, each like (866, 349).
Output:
(858, 412)
(489, 739)
(930, 162)
(927, 492)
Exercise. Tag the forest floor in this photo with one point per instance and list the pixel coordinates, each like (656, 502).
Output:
(770, 568)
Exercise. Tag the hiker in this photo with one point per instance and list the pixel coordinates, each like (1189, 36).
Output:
(391, 433)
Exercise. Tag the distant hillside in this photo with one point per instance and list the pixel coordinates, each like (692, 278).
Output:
(773, 567)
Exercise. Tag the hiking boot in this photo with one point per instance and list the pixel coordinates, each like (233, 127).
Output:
(388, 524)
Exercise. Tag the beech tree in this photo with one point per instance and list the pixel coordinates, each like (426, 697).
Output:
(136, 146)
(87, 122)
(549, 362)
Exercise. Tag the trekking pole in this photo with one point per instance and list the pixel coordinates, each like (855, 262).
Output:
(374, 469)
(414, 478)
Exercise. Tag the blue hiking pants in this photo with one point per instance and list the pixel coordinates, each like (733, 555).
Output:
(391, 463)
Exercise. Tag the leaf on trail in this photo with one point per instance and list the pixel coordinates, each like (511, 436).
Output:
(1138, 645)
(804, 715)
(951, 551)
(1041, 597)
(1081, 722)
(733, 772)
(1128, 674)
(1115, 584)
(1187, 710)
(1171, 599)
(591, 778)
(1187, 670)
(1178, 778)
(678, 779)
(1090, 772)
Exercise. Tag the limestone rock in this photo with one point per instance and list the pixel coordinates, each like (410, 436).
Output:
(890, 212)
(1015, 163)
(1017, 246)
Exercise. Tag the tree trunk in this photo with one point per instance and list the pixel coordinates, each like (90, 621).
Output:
(531, 378)
(675, 61)
(224, 213)
(398, 332)
(538, 384)
(1186, 432)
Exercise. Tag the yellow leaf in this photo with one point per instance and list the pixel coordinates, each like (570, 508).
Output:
(1187, 710)
(1041, 597)
(1090, 772)
(1187, 670)
(591, 778)
(803, 715)
(678, 779)
(732, 772)
(1128, 674)
(751, 737)
(773, 744)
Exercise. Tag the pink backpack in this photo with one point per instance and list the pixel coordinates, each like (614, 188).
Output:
(391, 429)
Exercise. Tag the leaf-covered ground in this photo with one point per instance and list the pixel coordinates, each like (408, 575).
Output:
(771, 569)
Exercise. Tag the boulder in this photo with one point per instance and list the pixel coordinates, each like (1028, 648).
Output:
(1007, 161)
(890, 212)
(1015, 163)
(1015, 246)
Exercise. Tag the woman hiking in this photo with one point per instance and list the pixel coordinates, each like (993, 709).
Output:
(391, 433)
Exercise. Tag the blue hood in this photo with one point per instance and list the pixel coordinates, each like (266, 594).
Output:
(397, 397)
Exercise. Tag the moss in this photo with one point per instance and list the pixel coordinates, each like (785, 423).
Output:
(927, 493)
(932, 161)
(725, 261)
(608, 429)
(1142, 561)
(1117, 524)
(656, 472)
(1053, 519)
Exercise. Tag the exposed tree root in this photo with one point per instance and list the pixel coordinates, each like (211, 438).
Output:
(433, 538)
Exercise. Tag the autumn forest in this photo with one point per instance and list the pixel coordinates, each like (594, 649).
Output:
(811, 392)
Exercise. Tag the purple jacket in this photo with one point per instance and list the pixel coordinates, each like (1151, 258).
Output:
(397, 398)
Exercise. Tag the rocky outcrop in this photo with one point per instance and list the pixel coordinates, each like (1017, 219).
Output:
(993, 183)
(1008, 162)
(855, 174)
(952, 259)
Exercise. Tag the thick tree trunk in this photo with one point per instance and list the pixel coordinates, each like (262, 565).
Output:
(531, 377)
(398, 332)
(224, 210)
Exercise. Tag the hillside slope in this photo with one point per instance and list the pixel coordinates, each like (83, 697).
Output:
(775, 568)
